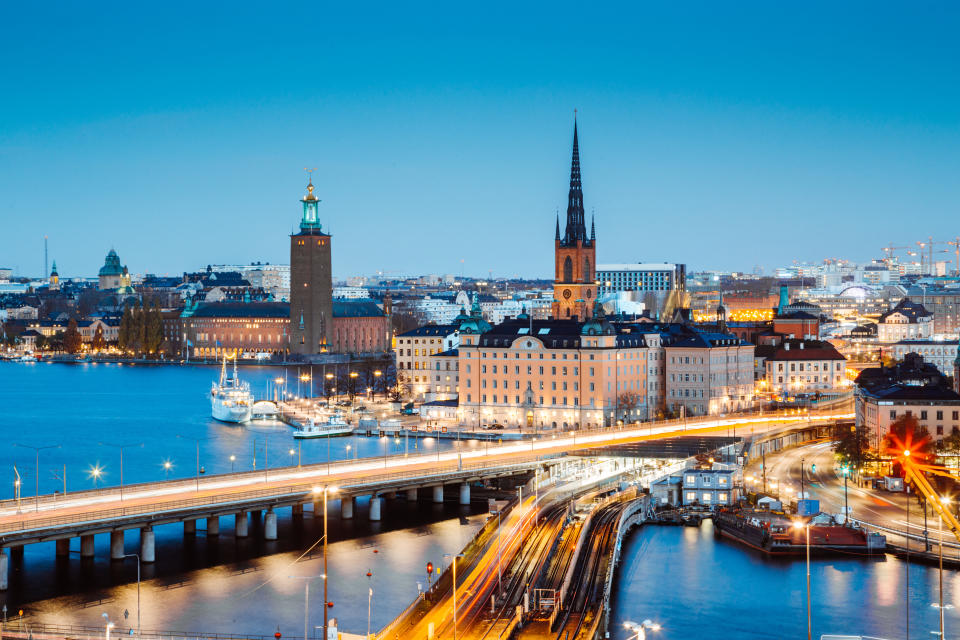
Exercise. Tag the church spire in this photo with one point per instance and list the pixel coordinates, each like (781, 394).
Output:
(558, 227)
(576, 230)
(593, 227)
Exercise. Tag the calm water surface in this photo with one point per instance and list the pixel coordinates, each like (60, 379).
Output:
(698, 587)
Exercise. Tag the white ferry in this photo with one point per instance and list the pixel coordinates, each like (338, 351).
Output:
(334, 425)
(230, 399)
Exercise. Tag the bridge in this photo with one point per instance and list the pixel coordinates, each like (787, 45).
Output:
(259, 494)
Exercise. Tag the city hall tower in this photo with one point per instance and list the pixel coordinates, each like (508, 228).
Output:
(311, 282)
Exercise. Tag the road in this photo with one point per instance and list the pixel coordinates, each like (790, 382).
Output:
(882, 508)
(170, 495)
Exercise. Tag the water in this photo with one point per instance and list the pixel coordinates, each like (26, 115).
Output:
(218, 584)
(88, 408)
(696, 586)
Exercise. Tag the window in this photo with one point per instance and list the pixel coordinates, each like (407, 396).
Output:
(721, 497)
(923, 415)
(691, 496)
(691, 479)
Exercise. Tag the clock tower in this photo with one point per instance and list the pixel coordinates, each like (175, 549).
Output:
(574, 282)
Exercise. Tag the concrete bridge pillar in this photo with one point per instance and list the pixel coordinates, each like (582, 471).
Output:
(213, 526)
(270, 525)
(148, 552)
(4, 571)
(241, 525)
(412, 494)
(346, 508)
(189, 527)
(438, 494)
(297, 511)
(116, 545)
(375, 502)
(63, 547)
(465, 493)
(318, 509)
(86, 546)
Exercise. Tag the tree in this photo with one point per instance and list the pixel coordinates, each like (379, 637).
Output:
(906, 434)
(125, 333)
(626, 404)
(99, 343)
(72, 340)
(153, 329)
(951, 448)
(852, 446)
(41, 342)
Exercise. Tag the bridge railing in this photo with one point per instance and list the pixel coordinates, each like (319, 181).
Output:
(437, 474)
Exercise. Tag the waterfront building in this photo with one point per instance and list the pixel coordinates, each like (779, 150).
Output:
(906, 321)
(360, 327)
(311, 284)
(574, 288)
(708, 487)
(414, 352)
(113, 276)
(212, 329)
(803, 366)
(912, 387)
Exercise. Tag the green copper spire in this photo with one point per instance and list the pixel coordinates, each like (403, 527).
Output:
(310, 221)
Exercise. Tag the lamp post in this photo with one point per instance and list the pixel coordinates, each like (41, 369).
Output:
(197, 441)
(37, 450)
(109, 625)
(137, 556)
(940, 606)
(306, 601)
(326, 392)
(121, 447)
(353, 384)
(376, 381)
(95, 472)
(325, 491)
(233, 460)
(454, 563)
(806, 527)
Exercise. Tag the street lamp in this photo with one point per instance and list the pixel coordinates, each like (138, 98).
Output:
(37, 451)
(306, 600)
(641, 628)
(233, 459)
(167, 465)
(326, 490)
(798, 524)
(95, 472)
(121, 447)
(376, 381)
(454, 563)
(940, 606)
(197, 441)
(137, 556)
(109, 625)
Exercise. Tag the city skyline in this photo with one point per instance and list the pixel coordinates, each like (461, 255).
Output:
(179, 156)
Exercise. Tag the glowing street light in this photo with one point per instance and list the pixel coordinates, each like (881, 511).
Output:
(325, 491)
(799, 524)
(94, 473)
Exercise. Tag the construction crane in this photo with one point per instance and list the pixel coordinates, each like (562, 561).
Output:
(889, 252)
(928, 245)
(955, 243)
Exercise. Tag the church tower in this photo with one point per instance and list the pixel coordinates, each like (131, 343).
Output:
(311, 282)
(54, 278)
(574, 286)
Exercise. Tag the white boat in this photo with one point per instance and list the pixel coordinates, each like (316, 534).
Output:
(334, 425)
(230, 399)
(27, 357)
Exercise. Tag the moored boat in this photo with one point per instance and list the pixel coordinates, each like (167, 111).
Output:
(775, 534)
(334, 425)
(230, 399)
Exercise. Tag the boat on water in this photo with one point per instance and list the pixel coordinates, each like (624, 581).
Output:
(265, 409)
(774, 533)
(27, 357)
(230, 399)
(334, 425)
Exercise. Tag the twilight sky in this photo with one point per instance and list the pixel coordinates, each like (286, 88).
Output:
(723, 135)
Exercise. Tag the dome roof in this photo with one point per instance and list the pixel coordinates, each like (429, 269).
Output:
(111, 265)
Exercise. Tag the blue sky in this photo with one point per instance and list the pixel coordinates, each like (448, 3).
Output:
(723, 135)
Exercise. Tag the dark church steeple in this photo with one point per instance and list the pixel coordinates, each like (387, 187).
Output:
(576, 230)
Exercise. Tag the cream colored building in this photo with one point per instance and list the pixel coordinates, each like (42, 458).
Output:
(805, 366)
(708, 373)
(414, 350)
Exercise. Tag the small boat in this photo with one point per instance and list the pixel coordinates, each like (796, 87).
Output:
(230, 399)
(27, 357)
(334, 425)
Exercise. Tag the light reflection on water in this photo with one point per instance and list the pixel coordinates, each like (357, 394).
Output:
(251, 593)
(695, 585)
